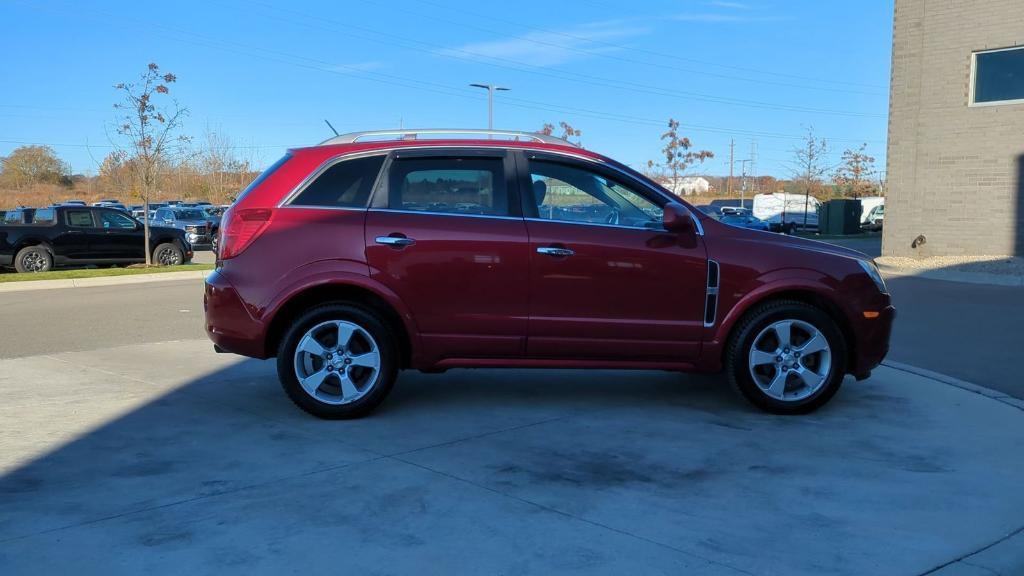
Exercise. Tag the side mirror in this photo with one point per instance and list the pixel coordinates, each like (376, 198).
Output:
(676, 218)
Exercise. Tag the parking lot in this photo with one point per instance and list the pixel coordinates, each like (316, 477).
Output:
(134, 448)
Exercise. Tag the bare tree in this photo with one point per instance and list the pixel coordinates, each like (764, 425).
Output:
(855, 175)
(678, 154)
(221, 166)
(809, 166)
(149, 131)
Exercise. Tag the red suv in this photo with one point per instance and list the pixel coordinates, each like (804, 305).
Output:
(365, 255)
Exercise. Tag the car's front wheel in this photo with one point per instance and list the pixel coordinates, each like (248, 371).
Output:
(787, 357)
(33, 259)
(337, 361)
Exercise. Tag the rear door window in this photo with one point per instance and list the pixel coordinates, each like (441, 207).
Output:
(473, 186)
(80, 218)
(346, 184)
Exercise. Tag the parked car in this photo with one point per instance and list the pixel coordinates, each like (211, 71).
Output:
(115, 205)
(198, 225)
(20, 215)
(79, 235)
(875, 218)
(744, 220)
(216, 211)
(786, 212)
(346, 289)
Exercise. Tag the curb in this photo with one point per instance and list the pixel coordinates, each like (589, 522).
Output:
(955, 276)
(957, 383)
(28, 285)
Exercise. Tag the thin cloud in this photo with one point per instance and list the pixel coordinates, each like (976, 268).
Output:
(730, 5)
(550, 48)
(709, 17)
(358, 66)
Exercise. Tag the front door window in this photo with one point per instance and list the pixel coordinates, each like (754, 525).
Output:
(567, 193)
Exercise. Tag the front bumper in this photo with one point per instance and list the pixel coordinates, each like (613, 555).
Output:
(199, 239)
(872, 342)
(228, 323)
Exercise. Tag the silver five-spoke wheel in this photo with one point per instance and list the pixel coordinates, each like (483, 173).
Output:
(337, 362)
(790, 360)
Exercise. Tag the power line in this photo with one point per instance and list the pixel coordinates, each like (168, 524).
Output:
(431, 86)
(597, 41)
(589, 79)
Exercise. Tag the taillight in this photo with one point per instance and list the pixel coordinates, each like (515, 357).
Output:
(241, 227)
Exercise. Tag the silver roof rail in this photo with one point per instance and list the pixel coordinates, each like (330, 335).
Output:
(413, 134)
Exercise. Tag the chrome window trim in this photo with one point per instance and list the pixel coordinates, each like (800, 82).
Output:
(286, 202)
(601, 224)
(430, 213)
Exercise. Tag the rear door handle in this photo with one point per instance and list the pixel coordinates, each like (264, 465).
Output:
(397, 241)
(555, 251)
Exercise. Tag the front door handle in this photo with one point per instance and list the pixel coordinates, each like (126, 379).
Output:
(555, 251)
(397, 241)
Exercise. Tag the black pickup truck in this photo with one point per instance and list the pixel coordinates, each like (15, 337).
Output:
(43, 238)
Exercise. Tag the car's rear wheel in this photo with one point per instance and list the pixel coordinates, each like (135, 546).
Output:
(33, 259)
(168, 254)
(337, 361)
(787, 357)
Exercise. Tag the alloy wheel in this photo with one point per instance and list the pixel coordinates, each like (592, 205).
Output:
(337, 362)
(33, 262)
(790, 360)
(168, 257)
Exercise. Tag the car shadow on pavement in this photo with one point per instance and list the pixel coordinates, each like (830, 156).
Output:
(485, 470)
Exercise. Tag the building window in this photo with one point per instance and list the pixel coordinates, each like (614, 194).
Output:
(998, 76)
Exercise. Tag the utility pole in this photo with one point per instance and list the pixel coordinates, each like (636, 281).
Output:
(743, 186)
(754, 188)
(491, 88)
(732, 145)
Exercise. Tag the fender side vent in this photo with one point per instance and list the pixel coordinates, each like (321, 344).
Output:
(711, 300)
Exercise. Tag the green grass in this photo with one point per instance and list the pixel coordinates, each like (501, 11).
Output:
(97, 272)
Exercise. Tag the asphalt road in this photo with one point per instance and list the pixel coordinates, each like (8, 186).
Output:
(969, 331)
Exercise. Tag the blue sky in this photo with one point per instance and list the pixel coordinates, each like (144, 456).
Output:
(266, 74)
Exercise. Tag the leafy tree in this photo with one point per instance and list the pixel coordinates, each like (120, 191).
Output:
(28, 165)
(148, 130)
(854, 176)
(678, 154)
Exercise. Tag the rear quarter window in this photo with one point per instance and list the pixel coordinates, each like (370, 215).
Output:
(346, 184)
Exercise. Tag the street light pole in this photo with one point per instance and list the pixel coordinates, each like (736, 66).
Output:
(491, 88)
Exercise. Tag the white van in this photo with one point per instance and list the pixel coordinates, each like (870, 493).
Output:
(785, 212)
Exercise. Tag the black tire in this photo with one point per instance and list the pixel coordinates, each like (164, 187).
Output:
(386, 346)
(752, 324)
(168, 254)
(33, 259)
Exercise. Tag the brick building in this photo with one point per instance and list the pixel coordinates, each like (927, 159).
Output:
(956, 128)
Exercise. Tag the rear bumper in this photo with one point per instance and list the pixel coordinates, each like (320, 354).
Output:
(228, 322)
(872, 343)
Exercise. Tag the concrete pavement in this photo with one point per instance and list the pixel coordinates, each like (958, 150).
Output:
(165, 457)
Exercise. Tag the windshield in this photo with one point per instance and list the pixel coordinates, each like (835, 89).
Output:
(190, 214)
